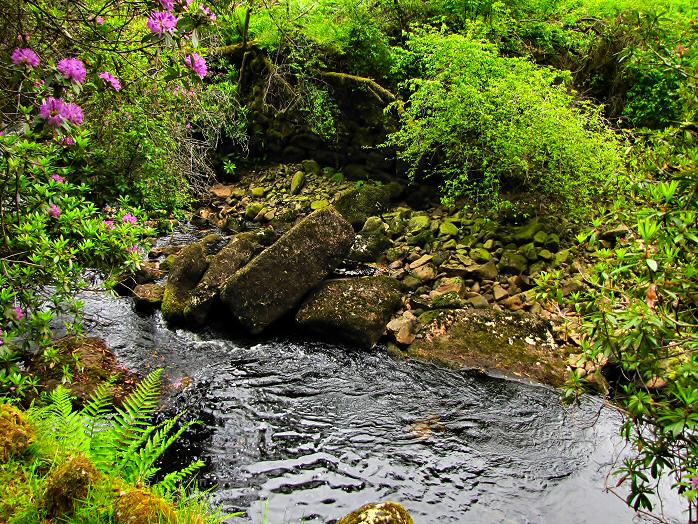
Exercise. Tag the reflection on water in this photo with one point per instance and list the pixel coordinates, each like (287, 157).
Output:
(306, 430)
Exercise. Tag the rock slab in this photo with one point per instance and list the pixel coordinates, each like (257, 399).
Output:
(353, 310)
(278, 279)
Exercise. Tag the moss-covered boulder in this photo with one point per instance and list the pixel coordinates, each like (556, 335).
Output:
(520, 345)
(15, 432)
(353, 310)
(513, 263)
(378, 513)
(186, 272)
(357, 204)
(371, 242)
(224, 264)
(68, 484)
(278, 279)
(141, 506)
(148, 296)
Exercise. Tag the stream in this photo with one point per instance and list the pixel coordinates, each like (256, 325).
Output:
(303, 431)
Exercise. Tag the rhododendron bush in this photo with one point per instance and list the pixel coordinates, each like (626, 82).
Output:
(103, 110)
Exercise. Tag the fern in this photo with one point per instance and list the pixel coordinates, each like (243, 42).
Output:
(172, 480)
(120, 441)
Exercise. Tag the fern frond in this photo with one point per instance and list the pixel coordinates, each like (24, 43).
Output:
(172, 480)
(98, 408)
(57, 419)
(157, 445)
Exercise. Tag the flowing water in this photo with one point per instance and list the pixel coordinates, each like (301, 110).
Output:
(300, 430)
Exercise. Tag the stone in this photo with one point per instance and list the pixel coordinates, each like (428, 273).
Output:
(276, 280)
(513, 263)
(425, 273)
(486, 271)
(546, 255)
(238, 252)
(258, 192)
(478, 301)
(448, 229)
(221, 191)
(297, 182)
(311, 167)
(526, 233)
(16, 434)
(316, 205)
(529, 251)
(357, 204)
(515, 302)
(552, 242)
(499, 292)
(419, 223)
(252, 210)
(369, 247)
(540, 238)
(148, 296)
(421, 261)
(561, 257)
(423, 238)
(612, 234)
(480, 255)
(353, 310)
(187, 270)
(378, 513)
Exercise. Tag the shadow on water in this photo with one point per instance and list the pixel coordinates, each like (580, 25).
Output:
(309, 430)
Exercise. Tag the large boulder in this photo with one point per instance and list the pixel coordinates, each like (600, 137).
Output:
(238, 252)
(186, 271)
(354, 310)
(378, 513)
(278, 279)
(356, 205)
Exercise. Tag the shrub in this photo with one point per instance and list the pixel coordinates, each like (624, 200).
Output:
(488, 126)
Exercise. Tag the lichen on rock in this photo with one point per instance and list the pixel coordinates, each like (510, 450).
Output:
(378, 513)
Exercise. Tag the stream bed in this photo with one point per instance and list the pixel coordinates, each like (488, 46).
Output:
(297, 430)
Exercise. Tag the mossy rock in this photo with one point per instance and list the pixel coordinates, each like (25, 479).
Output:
(527, 232)
(419, 223)
(448, 229)
(480, 255)
(354, 310)
(378, 513)
(69, 484)
(311, 167)
(15, 433)
(277, 279)
(238, 252)
(513, 263)
(141, 506)
(297, 182)
(490, 339)
(369, 247)
(252, 210)
(186, 272)
(357, 204)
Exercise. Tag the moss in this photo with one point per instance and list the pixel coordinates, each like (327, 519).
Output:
(68, 483)
(378, 513)
(15, 433)
(142, 506)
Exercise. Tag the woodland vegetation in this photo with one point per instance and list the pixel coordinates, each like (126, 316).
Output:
(112, 117)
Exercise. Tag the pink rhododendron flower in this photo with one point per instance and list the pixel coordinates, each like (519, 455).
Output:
(694, 482)
(197, 64)
(109, 224)
(128, 217)
(58, 178)
(111, 80)
(55, 211)
(67, 141)
(211, 15)
(38, 83)
(167, 5)
(25, 56)
(99, 20)
(162, 22)
(73, 69)
(132, 249)
(52, 110)
(73, 113)
(19, 313)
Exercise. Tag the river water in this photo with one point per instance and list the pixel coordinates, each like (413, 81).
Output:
(301, 430)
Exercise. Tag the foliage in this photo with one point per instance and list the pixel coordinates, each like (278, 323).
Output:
(488, 126)
(121, 443)
(639, 315)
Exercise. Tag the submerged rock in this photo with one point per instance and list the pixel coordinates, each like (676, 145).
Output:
(354, 310)
(378, 513)
(15, 432)
(276, 281)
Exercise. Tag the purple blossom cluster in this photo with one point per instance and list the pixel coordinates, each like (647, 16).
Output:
(197, 64)
(72, 69)
(55, 211)
(25, 56)
(111, 80)
(56, 111)
(162, 22)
